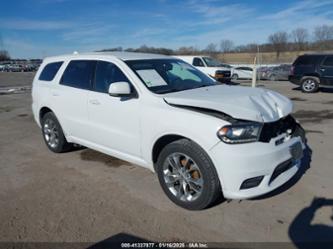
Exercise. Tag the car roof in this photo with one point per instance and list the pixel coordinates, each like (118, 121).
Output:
(99, 55)
(314, 54)
(190, 56)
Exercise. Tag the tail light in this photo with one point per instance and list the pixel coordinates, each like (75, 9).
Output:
(292, 70)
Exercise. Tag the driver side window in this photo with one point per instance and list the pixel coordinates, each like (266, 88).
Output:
(106, 74)
(197, 62)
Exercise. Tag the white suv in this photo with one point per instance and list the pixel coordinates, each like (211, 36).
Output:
(201, 138)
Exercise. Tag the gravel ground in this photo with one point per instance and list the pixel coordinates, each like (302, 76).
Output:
(15, 79)
(85, 196)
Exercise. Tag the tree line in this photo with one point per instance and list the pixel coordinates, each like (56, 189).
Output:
(299, 39)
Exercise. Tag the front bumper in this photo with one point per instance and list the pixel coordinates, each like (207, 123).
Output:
(222, 76)
(238, 163)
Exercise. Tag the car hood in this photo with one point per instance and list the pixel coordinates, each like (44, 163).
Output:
(254, 104)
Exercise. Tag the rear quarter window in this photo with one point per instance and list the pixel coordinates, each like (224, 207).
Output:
(307, 60)
(49, 71)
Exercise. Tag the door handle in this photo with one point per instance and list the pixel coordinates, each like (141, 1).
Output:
(94, 102)
(322, 69)
(55, 94)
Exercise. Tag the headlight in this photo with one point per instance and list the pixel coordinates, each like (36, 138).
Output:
(240, 133)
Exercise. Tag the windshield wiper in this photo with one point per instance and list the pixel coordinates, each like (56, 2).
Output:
(172, 90)
(202, 86)
(167, 91)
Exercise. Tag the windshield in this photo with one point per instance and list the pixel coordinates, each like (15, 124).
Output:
(212, 62)
(169, 75)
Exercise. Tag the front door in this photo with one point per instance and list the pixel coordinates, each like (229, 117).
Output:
(326, 69)
(114, 121)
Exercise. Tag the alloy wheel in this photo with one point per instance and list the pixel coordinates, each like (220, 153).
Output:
(309, 85)
(183, 177)
(51, 133)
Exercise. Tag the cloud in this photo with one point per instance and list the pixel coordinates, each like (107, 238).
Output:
(88, 32)
(213, 14)
(302, 7)
(41, 25)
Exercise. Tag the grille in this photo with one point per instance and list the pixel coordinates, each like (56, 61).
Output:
(222, 72)
(274, 129)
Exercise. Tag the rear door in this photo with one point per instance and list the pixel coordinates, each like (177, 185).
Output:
(326, 69)
(114, 121)
(71, 97)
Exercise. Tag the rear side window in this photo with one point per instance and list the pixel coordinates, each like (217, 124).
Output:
(106, 74)
(197, 62)
(328, 61)
(79, 74)
(307, 60)
(50, 70)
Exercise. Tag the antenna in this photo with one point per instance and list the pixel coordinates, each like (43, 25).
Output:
(75, 52)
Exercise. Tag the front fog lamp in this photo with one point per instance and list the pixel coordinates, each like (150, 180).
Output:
(239, 133)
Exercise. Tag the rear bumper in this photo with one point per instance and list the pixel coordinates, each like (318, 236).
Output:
(273, 164)
(294, 79)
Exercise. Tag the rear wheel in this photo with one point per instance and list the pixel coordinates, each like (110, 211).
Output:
(187, 175)
(53, 134)
(272, 77)
(310, 85)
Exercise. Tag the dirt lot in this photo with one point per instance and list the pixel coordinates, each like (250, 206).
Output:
(16, 79)
(89, 197)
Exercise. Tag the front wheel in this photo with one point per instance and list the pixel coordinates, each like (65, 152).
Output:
(235, 76)
(187, 175)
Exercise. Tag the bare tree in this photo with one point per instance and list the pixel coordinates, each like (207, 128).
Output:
(323, 35)
(300, 37)
(211, 49)
(186, 50)
(279, 41)
(111, 49)
(226, 46)
(4, 55)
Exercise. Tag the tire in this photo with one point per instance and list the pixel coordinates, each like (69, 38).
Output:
(198, 177)
(234, 77)
(310, 85)
(272, 77)
(53, 134)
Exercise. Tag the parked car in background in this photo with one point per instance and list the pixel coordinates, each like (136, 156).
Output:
(210, 66)
(261, 72)
(203, 139)
(20, 66)
(312, 71)
(14, 68)
(278, 73)
(242, 73)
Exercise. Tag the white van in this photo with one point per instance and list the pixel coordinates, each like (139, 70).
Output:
(203, 139)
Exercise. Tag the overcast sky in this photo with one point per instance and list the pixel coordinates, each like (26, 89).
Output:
(39, 28)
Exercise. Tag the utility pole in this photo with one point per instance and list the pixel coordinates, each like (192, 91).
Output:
(259, 59)
(254, 74)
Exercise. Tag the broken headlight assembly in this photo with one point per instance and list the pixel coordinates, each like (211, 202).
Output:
(240, 133)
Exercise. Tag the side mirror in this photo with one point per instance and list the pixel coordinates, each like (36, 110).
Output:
(120, 89)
